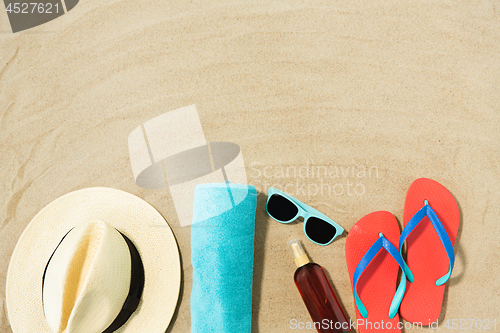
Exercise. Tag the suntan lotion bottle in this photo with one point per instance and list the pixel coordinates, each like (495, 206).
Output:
(317, 293)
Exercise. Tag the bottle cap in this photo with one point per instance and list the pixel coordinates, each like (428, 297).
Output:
(300, 256)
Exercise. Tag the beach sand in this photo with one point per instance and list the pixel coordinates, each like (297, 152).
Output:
(379, 93)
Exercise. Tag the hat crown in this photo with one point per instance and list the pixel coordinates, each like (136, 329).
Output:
(87, 279)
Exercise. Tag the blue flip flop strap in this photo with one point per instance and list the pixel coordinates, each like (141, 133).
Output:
(441, 232)
(382, 242)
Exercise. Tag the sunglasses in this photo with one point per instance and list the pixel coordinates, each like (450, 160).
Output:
(284, 208)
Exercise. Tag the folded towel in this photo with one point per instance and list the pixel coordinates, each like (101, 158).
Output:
(222, 236)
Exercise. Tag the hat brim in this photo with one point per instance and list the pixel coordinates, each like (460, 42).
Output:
(130, 215)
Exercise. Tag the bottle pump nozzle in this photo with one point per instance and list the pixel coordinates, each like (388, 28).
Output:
(300, 256)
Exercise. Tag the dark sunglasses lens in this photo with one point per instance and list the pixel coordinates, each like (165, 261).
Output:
(319, 230)
(281, 208)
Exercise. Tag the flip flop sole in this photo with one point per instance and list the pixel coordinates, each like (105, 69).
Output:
(426, 256)
(377, 285)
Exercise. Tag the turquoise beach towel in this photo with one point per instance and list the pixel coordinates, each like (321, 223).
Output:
(222, 236)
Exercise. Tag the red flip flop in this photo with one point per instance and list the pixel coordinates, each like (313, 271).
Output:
(431, 220)
(374, 273)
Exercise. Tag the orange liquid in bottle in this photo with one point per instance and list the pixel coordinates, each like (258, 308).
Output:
(320, 299)
(317, 293)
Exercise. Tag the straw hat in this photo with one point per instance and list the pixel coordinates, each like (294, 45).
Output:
(86, 258)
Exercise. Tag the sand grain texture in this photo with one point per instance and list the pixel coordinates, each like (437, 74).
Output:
(406, 90)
